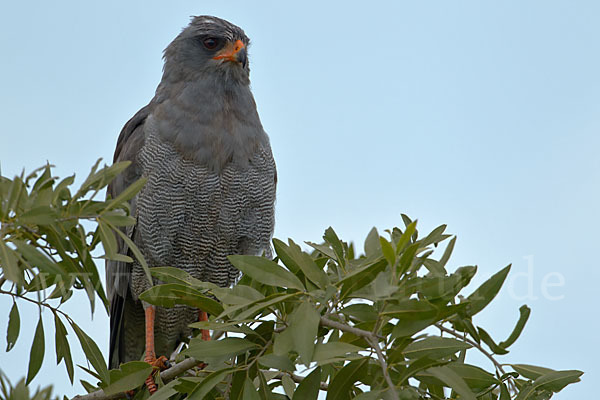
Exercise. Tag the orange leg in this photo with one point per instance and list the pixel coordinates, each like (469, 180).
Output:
(150, 358)
(203, 316)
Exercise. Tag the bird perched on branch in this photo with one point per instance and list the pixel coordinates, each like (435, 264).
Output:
(210, 188)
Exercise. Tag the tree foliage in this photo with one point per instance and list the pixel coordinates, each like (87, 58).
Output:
(388, 322)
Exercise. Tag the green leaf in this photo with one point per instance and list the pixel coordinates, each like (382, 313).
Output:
(171, 293)
(434, 347)
(118, 218)
(309, 388)
(405, 238)
(524, 312)
(487, 339)
(36, 355)
(372, 244)
(332, 350)
(453, 380)
(42, 215)
(238, 295)
(8, 262)
(92, 352)
(63, 349)
(165, 392)
(228, 347)
(259, 305)
(504, 393)
(447, 253)
(36, 259)
(14, 326)
(304, 324)
(416, 366)
(435, 236)
(129, 376)
(477, 378)
(553, 381)
(126, 194)
(531, 371)
(361, 277)
(283, 342)
(266, 271)
(557, 380)
(289, 387)
(388, 251)
(343, 381)
(177, 275)
(109, 242)
(250, 392)
(336, 244)
(208, 383)
(136, 252)
(292, 255)
(360, 312)
(485, 293)
(407, 258)
(277, 361)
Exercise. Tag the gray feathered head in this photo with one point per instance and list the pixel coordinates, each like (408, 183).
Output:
(208, 45)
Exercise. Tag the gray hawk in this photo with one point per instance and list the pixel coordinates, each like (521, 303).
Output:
(210, 188)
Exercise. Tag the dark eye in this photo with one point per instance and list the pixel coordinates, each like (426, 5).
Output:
(211, 43)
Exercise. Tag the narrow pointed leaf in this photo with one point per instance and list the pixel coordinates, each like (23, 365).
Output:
(8, 262)
(63, 349)
(309, 388)
(485, 293)
(36, 355)
(304, 326)
(129, 376)
(250, 392)
(343, 381)
(266, 271)
(14, 326)
(208, 384)
(229, 347)
(454, 381)
(92, 352)
(524, 312)
(487, 339)
(434, 347)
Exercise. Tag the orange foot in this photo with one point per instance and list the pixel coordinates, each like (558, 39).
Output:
(159, 364)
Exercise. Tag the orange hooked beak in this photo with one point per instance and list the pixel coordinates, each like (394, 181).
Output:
(233, 52)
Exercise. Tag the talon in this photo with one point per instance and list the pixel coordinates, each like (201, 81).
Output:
(161, 363)
(151, 385)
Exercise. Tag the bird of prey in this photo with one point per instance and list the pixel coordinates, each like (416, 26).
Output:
(210, 188)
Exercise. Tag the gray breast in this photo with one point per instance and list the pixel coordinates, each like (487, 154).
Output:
(192, 217)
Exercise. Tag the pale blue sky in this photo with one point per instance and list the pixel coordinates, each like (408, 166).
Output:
(484, 115)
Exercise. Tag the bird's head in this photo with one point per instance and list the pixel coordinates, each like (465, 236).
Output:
(209, 45)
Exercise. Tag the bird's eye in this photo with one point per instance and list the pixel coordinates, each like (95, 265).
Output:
(211, 43)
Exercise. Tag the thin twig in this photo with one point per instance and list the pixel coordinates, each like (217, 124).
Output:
(347, 328)
(384, 366)
(477, 346)
(372, 339)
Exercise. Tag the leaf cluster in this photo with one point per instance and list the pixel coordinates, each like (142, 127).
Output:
(390, 323)
(47, 252)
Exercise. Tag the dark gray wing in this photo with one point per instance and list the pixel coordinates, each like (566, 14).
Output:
(118, 273)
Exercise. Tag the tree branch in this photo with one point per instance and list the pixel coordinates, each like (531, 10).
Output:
(372, 339)
(166, 375)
